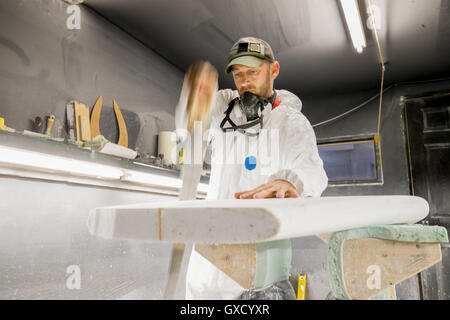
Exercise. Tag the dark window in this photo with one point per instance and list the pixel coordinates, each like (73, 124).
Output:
(350, 162)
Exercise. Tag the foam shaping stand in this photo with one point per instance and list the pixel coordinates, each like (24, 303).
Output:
(367, 263)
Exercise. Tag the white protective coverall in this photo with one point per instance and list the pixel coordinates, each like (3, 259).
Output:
(285, 149)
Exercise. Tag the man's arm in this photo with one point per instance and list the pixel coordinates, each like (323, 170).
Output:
(196, 97)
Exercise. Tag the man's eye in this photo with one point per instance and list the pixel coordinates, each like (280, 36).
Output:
(253, 72)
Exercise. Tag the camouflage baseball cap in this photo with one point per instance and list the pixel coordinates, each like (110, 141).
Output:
(250, 52)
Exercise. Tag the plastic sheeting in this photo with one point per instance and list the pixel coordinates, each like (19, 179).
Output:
(281, 290)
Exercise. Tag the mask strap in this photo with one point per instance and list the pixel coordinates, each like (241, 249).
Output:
(273, 97)
(241, 128)
(227, 115)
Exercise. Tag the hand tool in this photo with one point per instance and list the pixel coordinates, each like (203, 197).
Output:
(95, 122)
(2, 124)
(50, 121)
(301, 290)
(123, 134)
(95, 117)
(38, 125)
(70, 117)
(82, 122)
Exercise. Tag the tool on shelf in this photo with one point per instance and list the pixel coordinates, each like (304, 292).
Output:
(95, 122)
(95, 117)
(82, 122)
(4, 127)
(102, 145)
(38, 125)
(50, 121)
(123, 134)
(70, 121)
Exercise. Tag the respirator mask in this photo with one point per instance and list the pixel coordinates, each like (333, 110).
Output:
(252, 106)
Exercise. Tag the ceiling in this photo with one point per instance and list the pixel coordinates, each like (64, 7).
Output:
(309, 38)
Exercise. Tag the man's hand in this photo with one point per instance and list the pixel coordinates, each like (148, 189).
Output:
(272, 189)
(202, 79)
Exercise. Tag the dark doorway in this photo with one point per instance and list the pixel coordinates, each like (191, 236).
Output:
(427, 123)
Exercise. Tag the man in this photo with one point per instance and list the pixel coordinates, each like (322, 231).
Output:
(256, 115)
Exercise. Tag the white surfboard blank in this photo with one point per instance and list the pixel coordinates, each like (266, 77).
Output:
(251, 220)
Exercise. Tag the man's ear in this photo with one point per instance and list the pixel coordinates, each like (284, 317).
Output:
(275, 70)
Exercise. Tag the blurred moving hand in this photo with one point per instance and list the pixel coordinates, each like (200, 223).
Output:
(202, 80)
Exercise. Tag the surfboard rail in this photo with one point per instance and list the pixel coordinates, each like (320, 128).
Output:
(236, 221)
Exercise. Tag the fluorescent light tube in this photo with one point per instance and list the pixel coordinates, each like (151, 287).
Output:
(151, 179)
(158, 180)
(50, 162)
(40, 161)
(354, 24)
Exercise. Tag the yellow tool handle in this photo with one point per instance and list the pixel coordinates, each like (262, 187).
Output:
(2, 124)
(301, 287)
(50, 121)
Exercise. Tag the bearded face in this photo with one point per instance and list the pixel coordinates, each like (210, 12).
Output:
(256, 80)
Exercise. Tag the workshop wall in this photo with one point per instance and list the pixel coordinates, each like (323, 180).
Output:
(364, 122)
(44, 240)
(46, 251)
(44, 65)
(310, 253)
